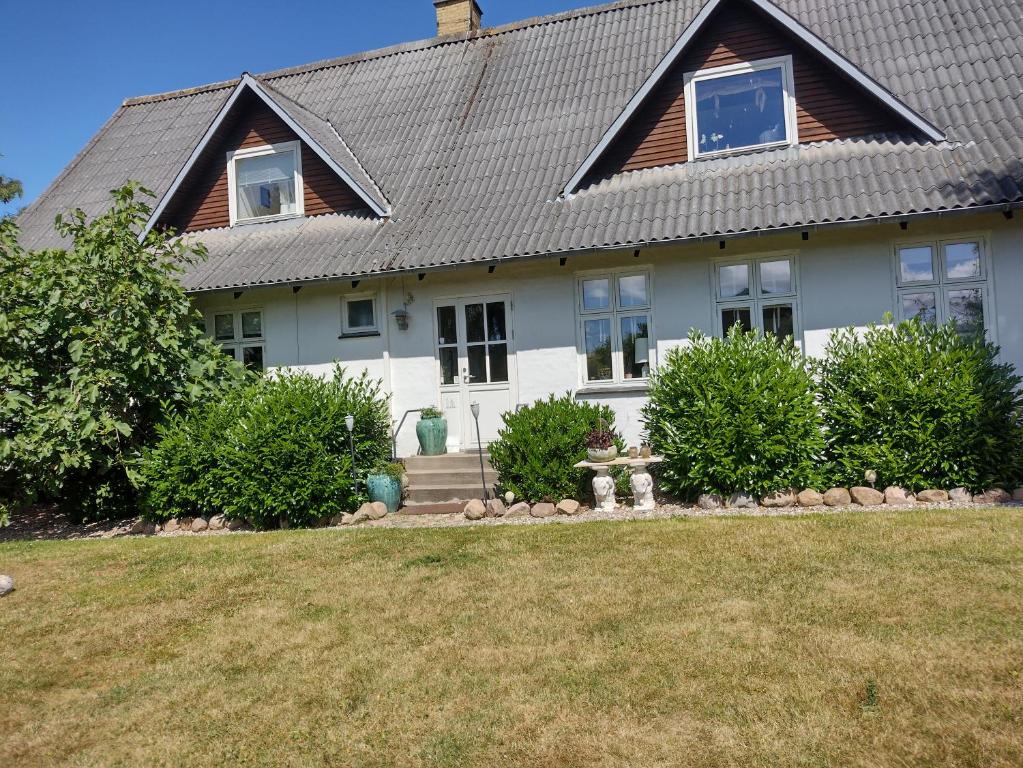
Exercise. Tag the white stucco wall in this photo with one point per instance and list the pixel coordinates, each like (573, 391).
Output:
(845, 277)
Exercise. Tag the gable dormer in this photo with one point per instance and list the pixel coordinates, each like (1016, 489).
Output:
(265, 158)
(744, 77)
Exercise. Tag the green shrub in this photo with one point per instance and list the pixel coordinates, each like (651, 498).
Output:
(734, 414)
(539, 444)
(277, 450)
(431, 413)
(922, 406)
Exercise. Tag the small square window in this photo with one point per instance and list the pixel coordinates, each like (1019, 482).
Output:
(916, 264)
(632, 291)
(740, 106)
(360, 315)
(223, 327)
(966, 310)
(596, 294)
(252, 325)
(265, 182)
(962, 261)
(733, 281)
(922, 306)
(776, 277)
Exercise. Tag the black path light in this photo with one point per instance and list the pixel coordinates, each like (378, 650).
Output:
(475, 408)
(350, 426)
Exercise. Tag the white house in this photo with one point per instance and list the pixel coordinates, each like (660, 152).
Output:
(492, 215)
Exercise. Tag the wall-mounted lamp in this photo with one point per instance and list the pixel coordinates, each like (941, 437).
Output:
(401, 318)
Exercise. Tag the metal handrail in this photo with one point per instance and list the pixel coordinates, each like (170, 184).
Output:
(394, 433)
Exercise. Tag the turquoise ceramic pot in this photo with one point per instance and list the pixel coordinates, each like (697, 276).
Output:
(433, 436)
(386, 489)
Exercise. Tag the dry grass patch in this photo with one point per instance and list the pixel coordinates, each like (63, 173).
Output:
(853, 640)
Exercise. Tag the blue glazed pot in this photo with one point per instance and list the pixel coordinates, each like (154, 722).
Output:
(386, 489)
(433, 436)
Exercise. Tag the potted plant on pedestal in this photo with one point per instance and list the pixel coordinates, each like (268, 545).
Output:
(432, 431)
(384, 484)
(600, 445)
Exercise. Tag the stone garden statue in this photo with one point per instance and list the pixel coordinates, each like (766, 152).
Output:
(604, 490)
(642, 489)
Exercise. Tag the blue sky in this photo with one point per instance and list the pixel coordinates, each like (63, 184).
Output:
(68, 64)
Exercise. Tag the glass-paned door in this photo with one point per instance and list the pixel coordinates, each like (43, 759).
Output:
(473, 354)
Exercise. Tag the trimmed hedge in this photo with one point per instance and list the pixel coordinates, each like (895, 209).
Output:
(734, 415)
(275, 451)
(539, 444)
(921, 405)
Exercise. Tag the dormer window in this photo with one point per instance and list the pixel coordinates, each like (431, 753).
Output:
(740, 107)
(265, 183)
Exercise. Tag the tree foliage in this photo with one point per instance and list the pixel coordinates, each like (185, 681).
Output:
(923, 406)
(98, 345)
(734, 415)
(275, 451)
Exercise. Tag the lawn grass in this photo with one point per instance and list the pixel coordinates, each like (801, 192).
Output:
(863, 639)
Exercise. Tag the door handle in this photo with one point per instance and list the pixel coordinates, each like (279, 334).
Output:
(467, 376)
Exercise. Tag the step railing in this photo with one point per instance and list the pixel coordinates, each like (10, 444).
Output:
(397, 430)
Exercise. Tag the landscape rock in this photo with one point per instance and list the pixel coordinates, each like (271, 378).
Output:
(496, 508)
(217, 523)
(1017, 495)
(543, 509)
(992, 496)
(377, 510)
(475, 510)
(709, 501)
(172, 525)
(346, 519)
(336, 520)
(138, 527)
(808, 497)
(6, 585)
(361, 515)
(960, 496)
(150, 529)
(741, 501)
(568, 507)
(896, 496)
(932, 496)
(519, 509)
(837, 497)
(866, 497)
(198, 524)
(785, 498)
(235, 524)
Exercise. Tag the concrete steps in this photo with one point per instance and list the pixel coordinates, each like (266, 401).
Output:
(441, 484)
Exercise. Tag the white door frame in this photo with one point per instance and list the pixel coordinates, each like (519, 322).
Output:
(465, 389)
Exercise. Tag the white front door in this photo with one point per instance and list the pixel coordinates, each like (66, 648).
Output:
(474, 351)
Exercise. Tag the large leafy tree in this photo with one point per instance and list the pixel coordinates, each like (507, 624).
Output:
(98, 345)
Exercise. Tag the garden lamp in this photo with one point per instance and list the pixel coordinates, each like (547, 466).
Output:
(350, 426)
(474, 407)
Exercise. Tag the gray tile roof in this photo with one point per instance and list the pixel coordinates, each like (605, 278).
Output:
(471, 141)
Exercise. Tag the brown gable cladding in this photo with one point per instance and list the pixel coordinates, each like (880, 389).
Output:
(202, 202)
(827, 106)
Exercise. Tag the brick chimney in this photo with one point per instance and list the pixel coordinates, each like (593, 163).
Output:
(457, 17)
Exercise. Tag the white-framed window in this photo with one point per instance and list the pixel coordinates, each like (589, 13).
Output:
(760, 293)
(944, 280)
(615, 326)
(240, 334)
(359, 315)
(265, 183)
(739, 107)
